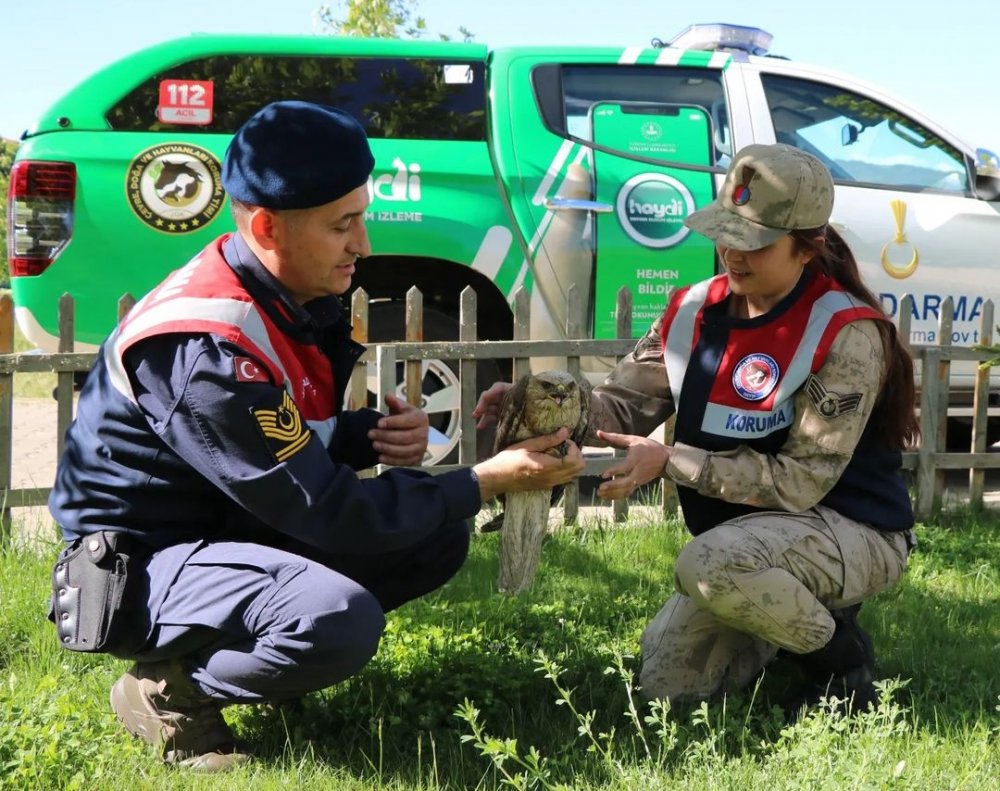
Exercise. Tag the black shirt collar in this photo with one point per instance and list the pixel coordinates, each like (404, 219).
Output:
(719, 312)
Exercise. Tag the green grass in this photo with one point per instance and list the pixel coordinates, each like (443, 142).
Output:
(548, 682)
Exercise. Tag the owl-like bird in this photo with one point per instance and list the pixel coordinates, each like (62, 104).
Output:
(538, 404)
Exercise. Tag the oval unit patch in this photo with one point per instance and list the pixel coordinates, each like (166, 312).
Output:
(175, 187)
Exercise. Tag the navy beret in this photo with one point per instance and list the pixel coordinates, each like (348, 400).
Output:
(296, 155)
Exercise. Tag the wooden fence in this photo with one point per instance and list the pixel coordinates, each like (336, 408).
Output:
(928, 462)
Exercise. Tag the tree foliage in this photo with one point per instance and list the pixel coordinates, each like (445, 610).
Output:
(994, 348)
(378, 19)
(7, 149)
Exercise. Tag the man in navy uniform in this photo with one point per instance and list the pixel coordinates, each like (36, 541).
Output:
(212, 452)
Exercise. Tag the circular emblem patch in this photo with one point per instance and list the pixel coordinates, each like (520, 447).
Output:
(756, 375)
(651, 208)
(175, 187)
(741, 195)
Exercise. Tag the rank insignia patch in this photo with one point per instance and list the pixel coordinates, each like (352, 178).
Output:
(828, 403)
(283, 428)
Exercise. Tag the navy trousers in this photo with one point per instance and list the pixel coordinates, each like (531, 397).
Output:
(253, 623)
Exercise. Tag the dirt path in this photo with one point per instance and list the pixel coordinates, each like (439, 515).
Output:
(34, 442)
(35, 459)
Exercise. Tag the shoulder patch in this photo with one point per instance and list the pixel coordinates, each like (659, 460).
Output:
(247, 370)
(755, 376)
(828, 403)
(284, 430)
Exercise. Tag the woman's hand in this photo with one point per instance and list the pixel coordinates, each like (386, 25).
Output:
(644, 461)
(488, 406)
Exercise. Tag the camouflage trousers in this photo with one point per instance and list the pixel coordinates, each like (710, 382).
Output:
(758, 583)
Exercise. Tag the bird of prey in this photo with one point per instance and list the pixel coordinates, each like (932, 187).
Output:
(537, 404)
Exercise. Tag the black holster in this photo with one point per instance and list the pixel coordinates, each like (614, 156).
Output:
(88, 587)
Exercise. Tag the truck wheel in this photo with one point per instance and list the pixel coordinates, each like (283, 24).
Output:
(440, 386)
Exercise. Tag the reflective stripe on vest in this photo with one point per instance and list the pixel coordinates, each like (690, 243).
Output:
(831, 310)
(169, 308)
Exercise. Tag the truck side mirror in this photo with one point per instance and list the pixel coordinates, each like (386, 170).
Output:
(987, 175)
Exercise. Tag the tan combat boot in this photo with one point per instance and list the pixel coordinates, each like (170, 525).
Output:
(157, 702)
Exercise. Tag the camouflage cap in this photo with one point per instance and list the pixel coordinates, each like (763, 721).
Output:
(768, 191)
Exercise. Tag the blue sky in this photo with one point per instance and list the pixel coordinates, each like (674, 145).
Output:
(941, 61)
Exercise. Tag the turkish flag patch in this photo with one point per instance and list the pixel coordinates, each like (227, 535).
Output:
(249, 371)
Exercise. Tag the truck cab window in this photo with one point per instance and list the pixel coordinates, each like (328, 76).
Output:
(567, 94)
(402, 98)
(862, 140)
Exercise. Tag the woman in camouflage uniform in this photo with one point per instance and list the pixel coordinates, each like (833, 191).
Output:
(794, 398)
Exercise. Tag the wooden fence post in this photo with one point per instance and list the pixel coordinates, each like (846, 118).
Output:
(522, 329)
(64, 379)
(623, 329)
(669, 502)
(125, 303)
(946, 323)
(904, 319)
(385, 365)
(468, 330)
(414, 334)
(927, 496)
(6, 415)
(571, 492)
(358, 398)
(980, 401)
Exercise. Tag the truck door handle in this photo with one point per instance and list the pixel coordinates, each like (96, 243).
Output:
(576, 204)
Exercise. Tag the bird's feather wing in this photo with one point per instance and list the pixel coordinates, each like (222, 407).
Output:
(524, 406)
(511, 415)
(579, 434)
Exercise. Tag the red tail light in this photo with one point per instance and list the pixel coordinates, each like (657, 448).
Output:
(39, 214)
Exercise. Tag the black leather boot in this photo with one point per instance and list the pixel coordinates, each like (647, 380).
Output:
(843, 668)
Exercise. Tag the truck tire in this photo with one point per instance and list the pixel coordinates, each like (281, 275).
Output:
(440, 386)
(959, 434)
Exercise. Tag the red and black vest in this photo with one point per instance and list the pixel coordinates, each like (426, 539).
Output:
(206, 296)
(734, 382)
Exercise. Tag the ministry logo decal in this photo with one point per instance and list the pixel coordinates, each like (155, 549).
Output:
(175, 188)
